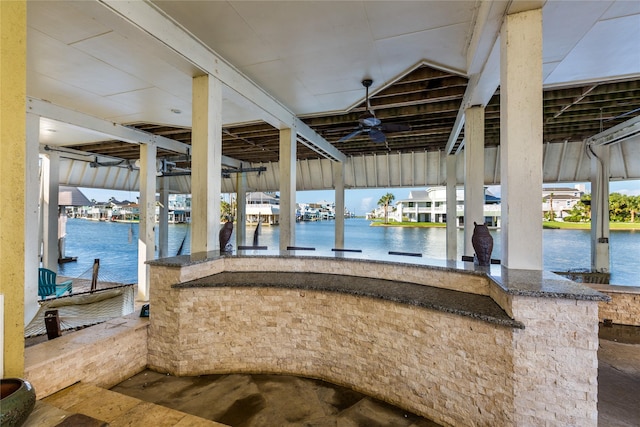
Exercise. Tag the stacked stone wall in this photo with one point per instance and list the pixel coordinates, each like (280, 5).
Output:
(448, 368)
(555, 362)
(102, 355)
(624, 307)
(454, 369)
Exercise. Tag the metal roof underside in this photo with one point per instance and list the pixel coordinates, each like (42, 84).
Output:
(132, 64)
(428, 101)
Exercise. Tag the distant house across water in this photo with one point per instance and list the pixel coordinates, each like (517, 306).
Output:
(559, 201)
(430, 205)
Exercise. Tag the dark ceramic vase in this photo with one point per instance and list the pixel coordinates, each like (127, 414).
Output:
(225, 236)
(482, 243)
(17, 401)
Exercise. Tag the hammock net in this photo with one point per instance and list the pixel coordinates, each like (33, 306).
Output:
(85, 307)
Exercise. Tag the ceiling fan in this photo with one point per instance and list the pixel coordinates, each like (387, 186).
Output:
(369, 124)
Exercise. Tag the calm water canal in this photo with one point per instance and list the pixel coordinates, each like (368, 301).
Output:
(115, 244)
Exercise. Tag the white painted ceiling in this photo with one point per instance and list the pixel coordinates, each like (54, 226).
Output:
(309, 55)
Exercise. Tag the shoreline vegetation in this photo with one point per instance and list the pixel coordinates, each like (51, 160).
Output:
(587, 225)
(553, 225)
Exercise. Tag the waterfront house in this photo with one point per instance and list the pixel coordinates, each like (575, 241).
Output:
(322, 210)
(264, 207)
(179, 209)
(559, 201)
(124, 211)
(73, 201)
(430, 205)
(99, 211)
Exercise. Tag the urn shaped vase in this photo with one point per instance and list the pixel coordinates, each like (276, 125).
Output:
(482, 243)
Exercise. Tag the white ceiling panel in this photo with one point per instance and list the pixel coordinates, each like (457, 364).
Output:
(305, 27)
(560, 25)
(231, 36)
(350, 63)
(618, 9)
(156, 106)
(77, 69)
(44, 87)
(275, 77)
(593, 56)
(395, 18)
(65, 22)
(446, 50)
(57, 133)
(112, 48)
(547, 69)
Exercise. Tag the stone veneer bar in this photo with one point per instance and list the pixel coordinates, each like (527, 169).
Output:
(457, 344)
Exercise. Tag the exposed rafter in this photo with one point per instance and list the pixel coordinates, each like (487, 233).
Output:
(109, 129)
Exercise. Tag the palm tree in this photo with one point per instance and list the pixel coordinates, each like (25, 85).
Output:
(385, 201)
(225, 210)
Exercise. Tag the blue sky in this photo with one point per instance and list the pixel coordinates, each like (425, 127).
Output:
(358, 201)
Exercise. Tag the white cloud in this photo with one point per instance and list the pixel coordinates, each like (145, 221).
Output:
(630, 188)
(367, 204)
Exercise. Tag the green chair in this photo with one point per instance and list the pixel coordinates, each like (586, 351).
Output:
(47, 284)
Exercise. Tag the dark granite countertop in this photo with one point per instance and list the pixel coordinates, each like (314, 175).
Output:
(536, 283)
(465, 304)
(198, 258)
(532, 283)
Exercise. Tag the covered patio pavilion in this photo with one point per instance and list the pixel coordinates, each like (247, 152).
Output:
(195, 97)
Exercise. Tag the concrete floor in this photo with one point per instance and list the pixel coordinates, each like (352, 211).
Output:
(267, 400)
(154, 399)
(619, 377)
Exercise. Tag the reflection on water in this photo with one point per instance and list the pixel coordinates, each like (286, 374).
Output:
(563, 249)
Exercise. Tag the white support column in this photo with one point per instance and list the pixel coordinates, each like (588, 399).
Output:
(473, 173)
(241, 206)
(452, 209)
(521, 140)
(163, 220)
(206, 171)
(146, 228)
(600, 260)
(51, 177)
(287, 188)
(338, 184)
(31, 217)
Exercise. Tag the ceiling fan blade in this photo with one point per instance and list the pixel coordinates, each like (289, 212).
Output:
(394, 127)
(351, 135)
(377, 136)
(369, 120)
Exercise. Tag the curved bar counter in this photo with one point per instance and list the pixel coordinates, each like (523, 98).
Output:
(458, 344)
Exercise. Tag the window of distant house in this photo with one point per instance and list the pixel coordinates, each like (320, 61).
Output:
(410, 204)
